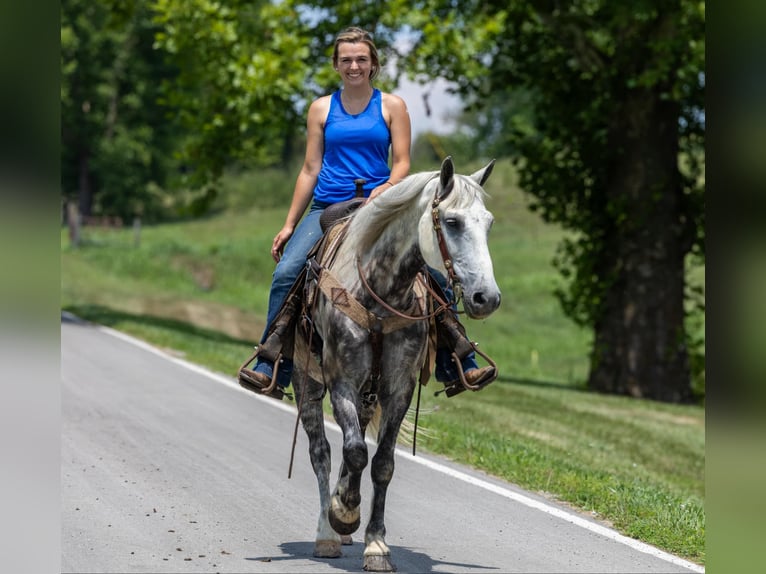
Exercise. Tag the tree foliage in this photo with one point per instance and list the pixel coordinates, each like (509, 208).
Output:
(602, 105)
(600, 102)
(116, 140)
(242, 74)
(615, 155)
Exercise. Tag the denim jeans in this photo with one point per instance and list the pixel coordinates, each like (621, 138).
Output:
(287, 270)
(446, 371)
(293, 260)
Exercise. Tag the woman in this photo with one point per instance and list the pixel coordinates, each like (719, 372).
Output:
(349, 134)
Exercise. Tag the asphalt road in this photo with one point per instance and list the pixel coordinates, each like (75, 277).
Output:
(166, 467)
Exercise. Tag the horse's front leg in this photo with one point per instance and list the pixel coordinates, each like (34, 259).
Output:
(377, 556)
(328, 542)
(344, 515)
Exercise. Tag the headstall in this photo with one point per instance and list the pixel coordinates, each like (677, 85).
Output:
(452, 277)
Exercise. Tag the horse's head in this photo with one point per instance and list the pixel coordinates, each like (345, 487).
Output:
(453, 237)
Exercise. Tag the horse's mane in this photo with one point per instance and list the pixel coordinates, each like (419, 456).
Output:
(370, 220)
(405, 197)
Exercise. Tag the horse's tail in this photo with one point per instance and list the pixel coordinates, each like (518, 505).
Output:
(406, 431)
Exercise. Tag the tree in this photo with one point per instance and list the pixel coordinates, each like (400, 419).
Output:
(116, 139)
(614, 152)
(616, 156)
(248, 71)
(242, 81)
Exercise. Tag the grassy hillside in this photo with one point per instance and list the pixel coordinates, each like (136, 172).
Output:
(200, 288)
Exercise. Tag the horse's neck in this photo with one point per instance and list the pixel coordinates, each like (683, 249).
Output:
(391, 266)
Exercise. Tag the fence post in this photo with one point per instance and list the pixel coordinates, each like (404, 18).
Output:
(73, 221)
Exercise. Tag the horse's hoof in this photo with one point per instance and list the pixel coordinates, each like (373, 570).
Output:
(342, 520)
(327, 549)
(346, 540)
(378, 563)
(344, 528)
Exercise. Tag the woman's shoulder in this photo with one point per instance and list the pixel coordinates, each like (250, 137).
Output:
(320, 108)
(322, 103)
(393, 102)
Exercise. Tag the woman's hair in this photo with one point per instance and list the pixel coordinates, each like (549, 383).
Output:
(355, 35)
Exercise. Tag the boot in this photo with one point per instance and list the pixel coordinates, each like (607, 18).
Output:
(456, 364)
(277, 348)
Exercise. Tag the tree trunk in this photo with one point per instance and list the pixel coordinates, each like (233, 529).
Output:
(639, 342)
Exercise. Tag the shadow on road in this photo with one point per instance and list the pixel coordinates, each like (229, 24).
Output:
(405, 559)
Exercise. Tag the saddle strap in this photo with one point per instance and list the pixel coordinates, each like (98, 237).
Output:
(353, 309)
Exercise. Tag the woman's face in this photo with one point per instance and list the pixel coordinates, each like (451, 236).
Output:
(354, 63)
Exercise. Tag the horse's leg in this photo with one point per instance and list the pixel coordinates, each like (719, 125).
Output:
(365, 417)
(344, 512)
(377, 556)
(328, 542)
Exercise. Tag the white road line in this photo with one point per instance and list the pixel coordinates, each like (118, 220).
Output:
(554, 511)
(433, 465)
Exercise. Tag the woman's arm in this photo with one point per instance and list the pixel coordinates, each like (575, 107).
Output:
(398, 118)
(307, 177)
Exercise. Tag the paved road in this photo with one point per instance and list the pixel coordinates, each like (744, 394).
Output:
(169, 468)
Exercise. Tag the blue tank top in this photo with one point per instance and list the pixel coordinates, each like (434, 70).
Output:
(355, 146)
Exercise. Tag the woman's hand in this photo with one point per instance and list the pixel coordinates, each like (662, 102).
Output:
(377, 191)
(279, 242)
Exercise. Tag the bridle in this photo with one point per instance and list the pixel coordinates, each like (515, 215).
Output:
(452, 278)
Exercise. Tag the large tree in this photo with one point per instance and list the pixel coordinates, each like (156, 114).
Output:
(616, 156)
(615, 151)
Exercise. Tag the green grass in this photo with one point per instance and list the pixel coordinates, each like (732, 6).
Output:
(636, 464)
(200, 289)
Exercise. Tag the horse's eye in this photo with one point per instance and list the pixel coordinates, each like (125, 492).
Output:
(452, 222)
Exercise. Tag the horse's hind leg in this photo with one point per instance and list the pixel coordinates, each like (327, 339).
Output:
(328, 542)
(377, 556)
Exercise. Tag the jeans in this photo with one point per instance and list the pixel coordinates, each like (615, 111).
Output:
(445, 370)
(293, 261)
(286, 272)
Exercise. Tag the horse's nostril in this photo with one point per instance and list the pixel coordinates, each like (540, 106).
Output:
(479, 298)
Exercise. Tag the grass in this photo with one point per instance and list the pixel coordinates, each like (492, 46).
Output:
(200, 289)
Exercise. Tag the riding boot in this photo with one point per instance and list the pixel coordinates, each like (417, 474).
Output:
(455, 354)
(278, 345)
(280, 340)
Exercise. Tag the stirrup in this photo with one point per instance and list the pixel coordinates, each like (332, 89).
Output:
(247, 380)
(462, 384)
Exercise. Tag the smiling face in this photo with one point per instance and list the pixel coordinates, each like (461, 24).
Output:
(355, 63)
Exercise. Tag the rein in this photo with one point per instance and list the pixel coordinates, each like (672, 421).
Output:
(443, 305)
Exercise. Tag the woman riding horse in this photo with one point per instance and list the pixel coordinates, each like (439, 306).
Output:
(368, 308)
(349, 134)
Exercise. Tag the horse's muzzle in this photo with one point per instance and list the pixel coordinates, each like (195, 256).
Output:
(481, 304)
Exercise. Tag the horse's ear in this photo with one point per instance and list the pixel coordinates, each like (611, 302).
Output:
(447, 176)
(482, 175)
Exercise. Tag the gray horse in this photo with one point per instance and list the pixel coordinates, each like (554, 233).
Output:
(370, 318)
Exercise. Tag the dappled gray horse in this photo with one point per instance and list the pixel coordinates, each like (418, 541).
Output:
(374, 333)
